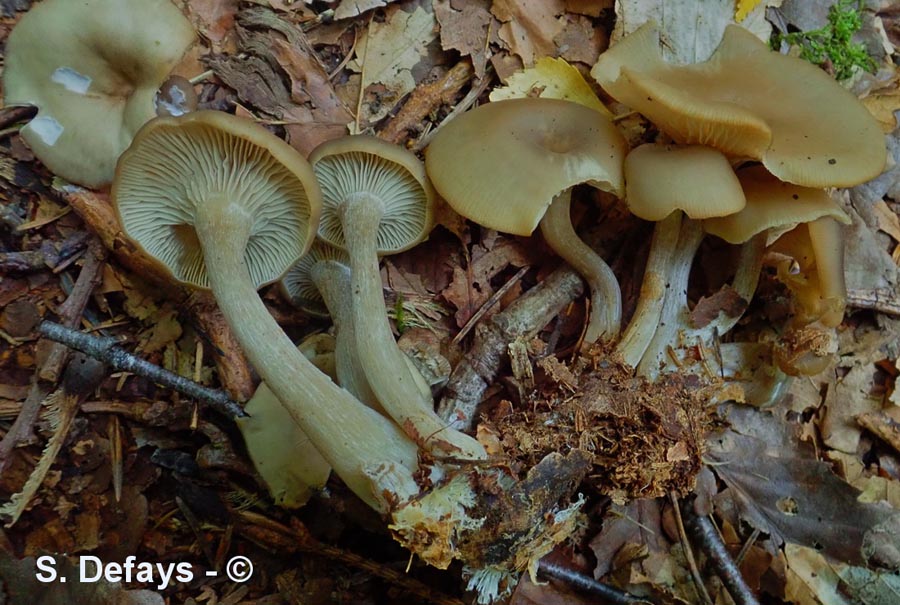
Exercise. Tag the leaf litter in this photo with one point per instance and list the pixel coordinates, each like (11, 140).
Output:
(812, 474)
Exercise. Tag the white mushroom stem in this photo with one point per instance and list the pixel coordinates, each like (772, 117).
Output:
(352, 437)
(606, 297)
(674, 324)
(827, 240)
(382, 360)
(643, 324)
(332, 279)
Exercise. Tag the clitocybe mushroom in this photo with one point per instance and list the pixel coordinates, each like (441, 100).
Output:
(222, 203)
(319, 283)
(814, 134)
(510, 165)
(92, 68)
(377, 200)
(663, 183)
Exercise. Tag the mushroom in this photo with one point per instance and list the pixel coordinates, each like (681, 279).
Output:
(92, 68)
(663, 183)
(378, 200)
(319, 283)
(510, 165)
(221, 203)
(282, 454)
(175, 97)
(817, 134)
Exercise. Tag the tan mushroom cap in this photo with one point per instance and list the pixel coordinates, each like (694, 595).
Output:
(660, 179)
(502, 164)
(297, 285)
(749, 102)
(364, 164)
(210, 157)
(92, 68)
(772, 204)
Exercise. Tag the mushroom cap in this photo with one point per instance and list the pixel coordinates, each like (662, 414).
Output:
(697, 180)
(363, 164)
(750, 102)
(772, 204)
(502, 164)
(175, 164)
(92, 68)
(175, 97)
(297, 285)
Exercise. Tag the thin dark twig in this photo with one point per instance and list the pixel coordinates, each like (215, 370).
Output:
(493, 300)
(688, 553)
(588, 585)
(704, 532)
(106, 349)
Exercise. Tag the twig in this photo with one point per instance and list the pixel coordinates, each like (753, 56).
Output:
(107, 350)
(425, 99)
(688, 553)
(882, 426)
(11, 115)
(493, 300)
(588, 585)
(878, 300)
(467, 101)
(69, 314)
(704, 532)
(525, 317)
(297, 538)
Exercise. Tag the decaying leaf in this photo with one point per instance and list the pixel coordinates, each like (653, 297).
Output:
(388, 53)
(530, 26)
(638, 523)
(550, 79)
(352, 8)
(810, 579)
(684, 40)
(465, 26)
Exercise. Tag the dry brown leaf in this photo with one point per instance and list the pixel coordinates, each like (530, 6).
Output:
(888, 221)
(726, 300)
(639, 523)
(353, 8)
(214, 21)
(465, 26)
(580, 41)
(589, 8)
(530, 27)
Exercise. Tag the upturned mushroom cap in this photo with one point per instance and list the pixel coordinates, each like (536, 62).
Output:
(366, 165)
(297, 284)
(772, 204)
(749, 102)
(210, 157)
(697, 180)
(92, 68)
(501, 164)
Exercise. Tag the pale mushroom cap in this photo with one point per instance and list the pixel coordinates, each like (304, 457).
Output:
(772, 204)
(297, 285)
(750, 102)
(363, 164)
(92, 68)
(502, 164)
(176, 164)
(697, 180)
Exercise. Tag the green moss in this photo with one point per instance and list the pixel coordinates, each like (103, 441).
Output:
(833, 43)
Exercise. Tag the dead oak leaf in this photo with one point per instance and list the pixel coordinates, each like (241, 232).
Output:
(465, 26)
(354, 8)
(580, 41)
(214, 20)
(725, 300)
(530, 27)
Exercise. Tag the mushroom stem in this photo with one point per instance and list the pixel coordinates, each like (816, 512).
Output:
(382, 360)
(351, 437)
(746, 278)
(606, 297)
(827, 242)
(333, 282)
(645, 320)
(674, 304)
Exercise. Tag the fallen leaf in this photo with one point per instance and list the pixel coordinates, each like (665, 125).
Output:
(726, 300)
(353, 8)
(214, 20)
(580, 41)
(550, 79)
(683, 40)
(888, 221)
(810, 578)
(639, 523)
(868, 587)
(530, 26)
(465, 26)
(387, 54)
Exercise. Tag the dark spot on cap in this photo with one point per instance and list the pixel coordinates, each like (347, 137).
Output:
(795, 196)
(832, 161)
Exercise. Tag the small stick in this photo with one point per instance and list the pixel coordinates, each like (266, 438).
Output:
(106, 349)
(703, 530)
(493, 300)
(688, 553)
(477, 90)
(588, 585)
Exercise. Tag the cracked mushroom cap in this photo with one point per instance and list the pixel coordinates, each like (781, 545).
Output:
(92, 68)
(749, 102)
(660, 179)
(772, 204)
(364, 164)
(211, 157)
(297, 285)
(502, 164)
